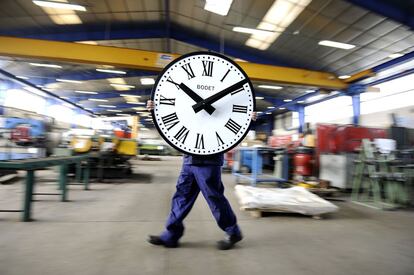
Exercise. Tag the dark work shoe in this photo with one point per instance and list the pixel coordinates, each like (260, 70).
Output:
(229, 242)
(156, 240)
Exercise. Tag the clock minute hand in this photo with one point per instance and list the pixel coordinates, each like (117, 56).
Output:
(210, 100)
(210, 109)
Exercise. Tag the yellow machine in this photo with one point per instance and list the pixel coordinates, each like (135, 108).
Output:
(81, 144)
(126, 147)
(109, 157)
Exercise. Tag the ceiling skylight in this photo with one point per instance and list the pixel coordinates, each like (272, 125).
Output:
(220, 7)
(280, 15)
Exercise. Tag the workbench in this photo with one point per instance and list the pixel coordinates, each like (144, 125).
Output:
(252, 157)
(31, 165)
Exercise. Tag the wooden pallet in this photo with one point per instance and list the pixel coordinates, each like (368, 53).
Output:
(258, 213)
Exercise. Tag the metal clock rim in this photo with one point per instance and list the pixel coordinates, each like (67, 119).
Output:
(177, 60)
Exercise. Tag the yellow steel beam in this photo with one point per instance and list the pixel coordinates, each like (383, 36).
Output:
(359, 75)
(153, 61)
(260, 72)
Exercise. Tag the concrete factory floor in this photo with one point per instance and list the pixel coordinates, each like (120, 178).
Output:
(104, 231)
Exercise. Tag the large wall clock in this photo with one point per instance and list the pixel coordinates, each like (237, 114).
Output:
(203, 103)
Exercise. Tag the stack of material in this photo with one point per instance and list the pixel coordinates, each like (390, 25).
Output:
(293, 200)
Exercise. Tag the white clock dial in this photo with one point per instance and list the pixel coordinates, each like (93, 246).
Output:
(203, 103)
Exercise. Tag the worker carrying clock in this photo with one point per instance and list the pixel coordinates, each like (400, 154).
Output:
(202, 104)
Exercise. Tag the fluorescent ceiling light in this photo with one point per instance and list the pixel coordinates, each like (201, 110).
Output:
(107, 106)
(68, 80)
(136, 103)
(45, 65)
(21, 77)
(114, 111)
(259, 97)
(251, 31)
(119, 84)
(395, 55)
(272, 87)
(66, 19)
(301, 101)
(59, 5)
(287, 100)
(126, 95)
(268, 113)
(220, 7)
(315, 98)
(110, 71)
(282, 108)
(309, 91)
(61, 12)
(270, 107)
(87, 42)
(147, 81)
(125, 86)
(97, 99)
(280, 15)
(344, 76)
(86, 92)
(335, 44)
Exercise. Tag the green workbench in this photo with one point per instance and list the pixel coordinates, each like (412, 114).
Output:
(31, 165)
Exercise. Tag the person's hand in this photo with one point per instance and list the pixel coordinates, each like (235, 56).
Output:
(254, 116)
(150, 105)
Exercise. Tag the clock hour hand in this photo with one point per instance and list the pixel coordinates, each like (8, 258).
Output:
(210, 109)
(210, 100)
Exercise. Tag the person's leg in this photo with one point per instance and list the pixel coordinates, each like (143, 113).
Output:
(209, 181)
(182, 202)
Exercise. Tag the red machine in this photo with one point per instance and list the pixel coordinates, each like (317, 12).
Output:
(228, 157)
(334, 139)
(21, 134)
(279, 141)
(302, 161)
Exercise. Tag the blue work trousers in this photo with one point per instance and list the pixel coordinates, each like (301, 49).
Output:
(192, 180)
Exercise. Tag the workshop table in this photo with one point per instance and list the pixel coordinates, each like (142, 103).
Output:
(252, 157)
(31, 165)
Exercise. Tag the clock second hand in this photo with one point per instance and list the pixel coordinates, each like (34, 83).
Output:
(210, 109)
(210, 100)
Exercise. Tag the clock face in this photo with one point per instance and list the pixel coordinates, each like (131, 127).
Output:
(203, 103)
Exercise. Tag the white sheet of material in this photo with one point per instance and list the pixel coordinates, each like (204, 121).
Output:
(294, 200)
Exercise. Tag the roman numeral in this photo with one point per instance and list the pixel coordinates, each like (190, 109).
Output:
(237, 91)
(170, 120)
(233, 126)
(219, 140)
(167, 101)
(239, 108)
(208, 68)
(187, 68)
(199, 142)
(169, 79)
(225, 75)
(182, 134)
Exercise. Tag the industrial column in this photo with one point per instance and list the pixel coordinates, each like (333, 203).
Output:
(356, 107)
